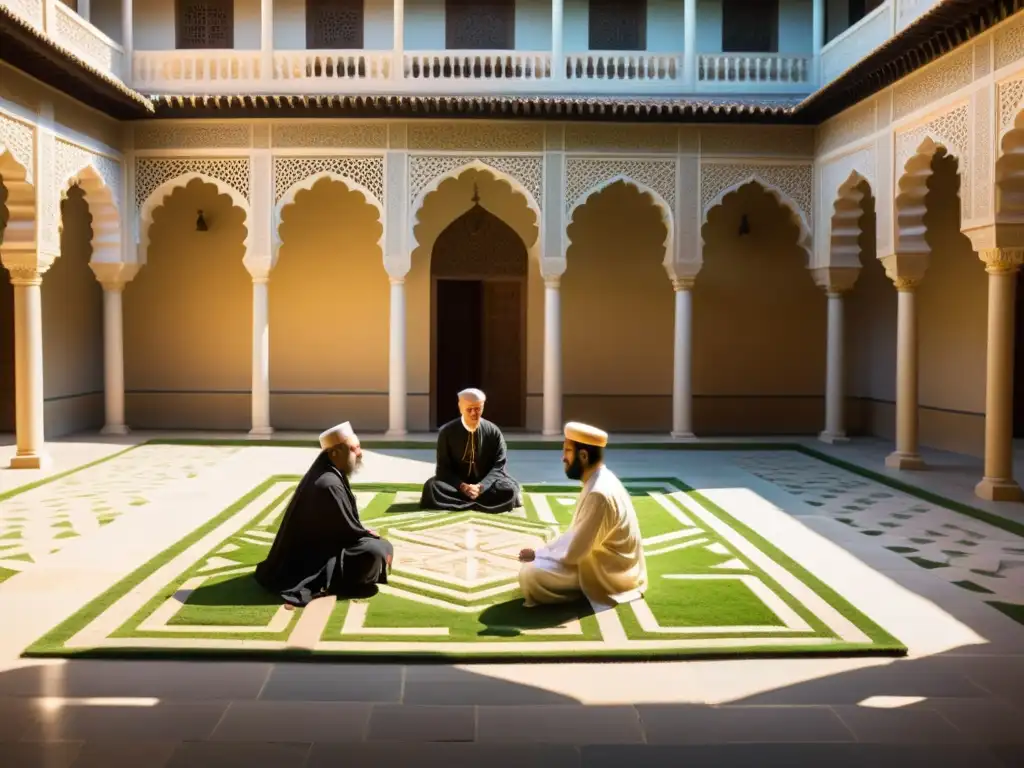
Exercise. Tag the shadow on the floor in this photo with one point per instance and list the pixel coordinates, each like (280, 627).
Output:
(511, 618)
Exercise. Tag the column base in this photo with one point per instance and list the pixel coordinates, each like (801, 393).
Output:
(992, 489)
(31, 461)
(912, 461)
(115, 429)
(683, 436)
(396, 433)
(833, 438)
(261, 432)
(551, 432)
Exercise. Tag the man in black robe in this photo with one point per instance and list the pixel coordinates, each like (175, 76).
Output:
(322, 547)
(471, 457)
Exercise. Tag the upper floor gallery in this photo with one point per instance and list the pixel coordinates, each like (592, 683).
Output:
(762, 48)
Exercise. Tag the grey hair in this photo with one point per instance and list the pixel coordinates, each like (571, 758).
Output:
(473, 395)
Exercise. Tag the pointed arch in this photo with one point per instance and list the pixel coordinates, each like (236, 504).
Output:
(1009, 181)
(799, 216)
(20, 232)
(103, 208)
(159, 195)
(659, 202)
(912, 191)
(845, 222)
(475, 164)
(288, 198)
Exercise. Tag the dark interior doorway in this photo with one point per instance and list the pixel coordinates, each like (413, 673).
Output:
(6, 352)
(479, 271)
(1018, 367)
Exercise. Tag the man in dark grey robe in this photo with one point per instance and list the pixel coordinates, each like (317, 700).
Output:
(322, 547)
(471, 456)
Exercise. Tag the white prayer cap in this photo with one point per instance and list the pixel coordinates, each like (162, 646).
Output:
(473, 395)
(336, 436)
(586, 434)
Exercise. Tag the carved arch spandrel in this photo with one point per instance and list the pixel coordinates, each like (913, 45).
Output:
(790, 185)
(845, 222)
(912, 191)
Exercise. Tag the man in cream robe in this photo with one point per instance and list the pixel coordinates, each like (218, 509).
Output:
(601, 554)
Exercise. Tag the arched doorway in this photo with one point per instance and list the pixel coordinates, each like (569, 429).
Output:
(1018, 372)
(7, 418)
(478, 271)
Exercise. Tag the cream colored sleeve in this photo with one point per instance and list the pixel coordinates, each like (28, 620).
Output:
(595, 510)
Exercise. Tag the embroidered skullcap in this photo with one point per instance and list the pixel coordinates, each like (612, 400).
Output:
(473, 395)
(336, 436)
(586, 434)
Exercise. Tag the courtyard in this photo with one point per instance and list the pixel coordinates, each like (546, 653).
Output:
(889, 613)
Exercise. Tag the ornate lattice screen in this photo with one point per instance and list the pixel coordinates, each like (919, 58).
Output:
(334, 24)
(480, 25)
(206, 23)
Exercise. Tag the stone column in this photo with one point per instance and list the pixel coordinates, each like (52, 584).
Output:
(906, 455)
(817, 39)
(1002, 265)
(682, 370)
(552, 356)
(397, 376)
(557, 41)
(690, 44)
(28, 368)
(260, 357)
(83, 9)
(267, 41)
(835, 281)
(398, 44)
(113, 276)
(128, 34)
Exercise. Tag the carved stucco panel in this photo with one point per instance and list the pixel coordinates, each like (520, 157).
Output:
(764, 140)
(365, 170)
(940, 79)
(980, 179)
(795, 181)
(150, 173)
(335, 136)
(18, 138)
(1009, 42)
(982, 57)
(476, 137)
(30, 10)
(621, 138)
(1011, 98)
(951, 131)
(206, 136)
(71, 159)
(47, 194)
(833, 176)
(853, 124)
(583, 174)
(528, 170)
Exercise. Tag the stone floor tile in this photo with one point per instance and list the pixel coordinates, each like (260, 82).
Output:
(411, 722)
(328, 682)
(282, 721)
(565, 724)
(1010, 756)
(122, 754)
(667, 724)
(481, 691)
(38, 754)
(163, 722)
(177, 680)
(899, 726)
(787, 756)
(424, 755)
(209, 754)
(17, 716)
(983, 721)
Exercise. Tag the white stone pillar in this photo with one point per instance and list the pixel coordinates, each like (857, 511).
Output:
(817, 39)
(398, 44)
(906, 455)
(128, 38)
(267, 41)
(835, 373)
(690, 44)
(552, 356)
(83, 9)
(557, 40)
(28, 369)
(682, 370)
(998, 484)
(113, 276)
(260, 357)
(397, 377)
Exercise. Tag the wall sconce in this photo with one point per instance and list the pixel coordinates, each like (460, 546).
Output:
(201, 223)
(744, 225)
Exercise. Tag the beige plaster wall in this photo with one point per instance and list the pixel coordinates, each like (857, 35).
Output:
(617, 314)
(759, 324)
(451, 199)
(72, 301)
(329, 308)
(6, 330)
(188, 319)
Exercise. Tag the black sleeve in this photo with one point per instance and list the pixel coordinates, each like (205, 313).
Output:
(445, 471)
(347, 523)
(500, 459)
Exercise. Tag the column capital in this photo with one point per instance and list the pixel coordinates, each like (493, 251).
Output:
(26, 264)
(835, 280)
(114, 275)
(1002, 261)
(25, 276)
(552, 281)
(396, 280)
(258, 268)
(906, 270)
(684, 283)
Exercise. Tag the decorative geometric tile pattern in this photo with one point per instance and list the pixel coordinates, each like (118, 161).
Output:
(42, 520)
(969, 553)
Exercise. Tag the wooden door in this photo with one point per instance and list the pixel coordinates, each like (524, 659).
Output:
(480, 25)
(6, 352)
(503, 338)
(458, 338)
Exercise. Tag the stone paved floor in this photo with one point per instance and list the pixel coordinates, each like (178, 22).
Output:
(957, 699)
